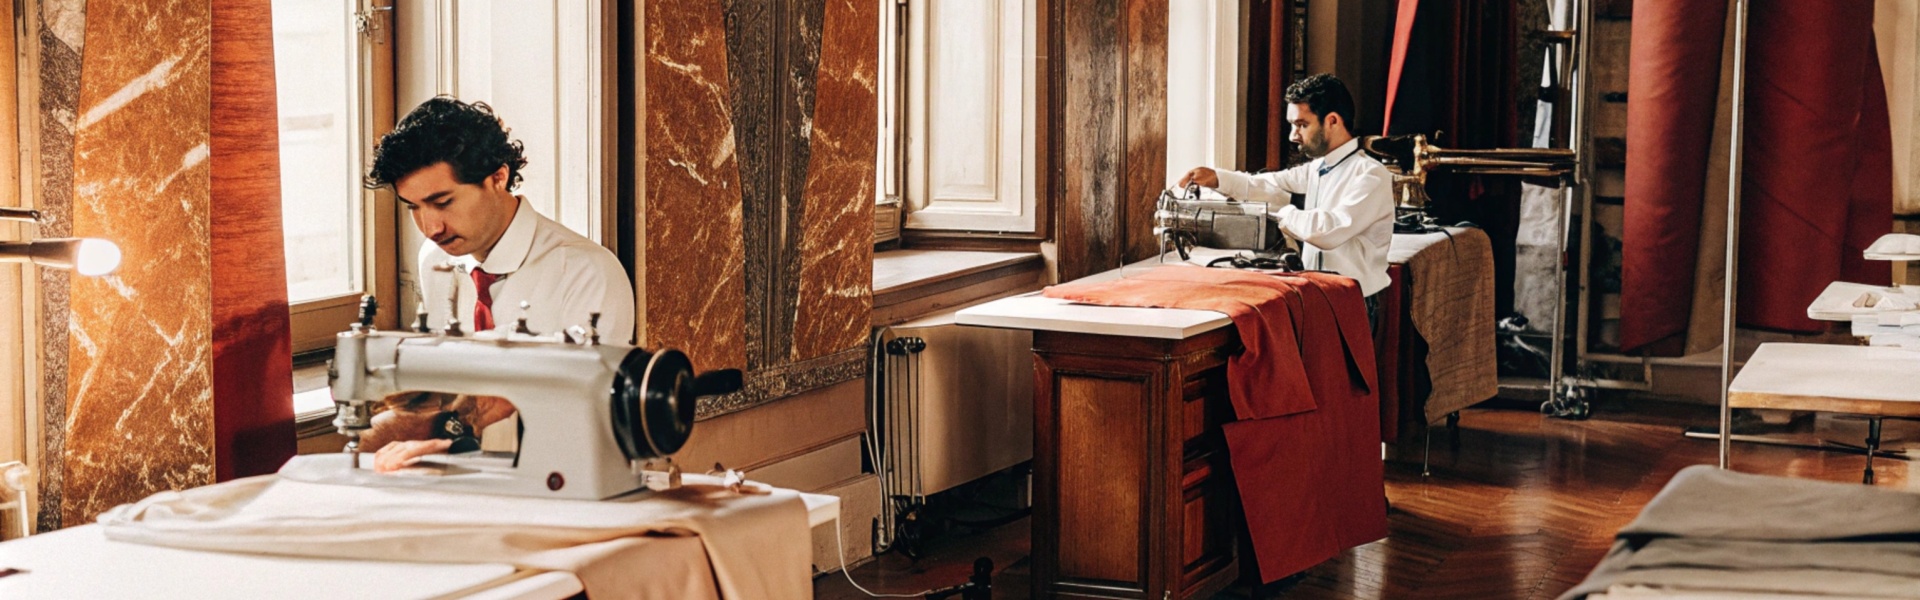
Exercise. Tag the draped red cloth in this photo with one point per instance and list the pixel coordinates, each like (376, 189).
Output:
(1672, 86)
(1817, 182)
(1304, 452)
(1452, 69)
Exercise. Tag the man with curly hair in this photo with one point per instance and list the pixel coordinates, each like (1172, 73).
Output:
(452, 164)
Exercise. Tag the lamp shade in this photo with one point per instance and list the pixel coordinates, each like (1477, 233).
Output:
(91, 257)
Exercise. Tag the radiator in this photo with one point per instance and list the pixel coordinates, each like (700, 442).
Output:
(948, 404)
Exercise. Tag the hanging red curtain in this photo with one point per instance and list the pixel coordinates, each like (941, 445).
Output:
(1673, 73)
(1453, 70)
(1817, 175)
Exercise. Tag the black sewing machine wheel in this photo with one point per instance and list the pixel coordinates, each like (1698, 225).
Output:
(653, 403)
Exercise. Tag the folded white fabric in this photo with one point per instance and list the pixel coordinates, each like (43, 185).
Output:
(1895, 246)
(758, 545)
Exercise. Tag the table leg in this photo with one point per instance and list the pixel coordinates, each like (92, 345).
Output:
(1873, 445)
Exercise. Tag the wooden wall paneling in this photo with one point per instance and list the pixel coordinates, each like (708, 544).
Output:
(1145, 77)
(252, 344)
(1091, 145)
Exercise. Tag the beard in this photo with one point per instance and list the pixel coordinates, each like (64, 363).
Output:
(1314, 146)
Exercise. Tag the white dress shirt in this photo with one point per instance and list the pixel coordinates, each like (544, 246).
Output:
(1347, 225)
(562, 275)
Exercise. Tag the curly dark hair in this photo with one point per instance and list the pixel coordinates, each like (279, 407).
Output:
(466, 136)
(1325, 95)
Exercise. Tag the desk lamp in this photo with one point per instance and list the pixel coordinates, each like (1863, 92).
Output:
(91, 257)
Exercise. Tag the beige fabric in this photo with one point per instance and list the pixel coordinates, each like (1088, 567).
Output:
(1449, 279)
(757, 546)
(1710, 260)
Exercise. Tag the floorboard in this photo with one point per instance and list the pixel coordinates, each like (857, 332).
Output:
(1522, 508)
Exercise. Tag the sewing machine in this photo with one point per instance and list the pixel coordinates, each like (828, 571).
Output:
(1182, 222)
(598, 420)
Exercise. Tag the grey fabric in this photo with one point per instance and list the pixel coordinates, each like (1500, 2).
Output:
(1717, 530)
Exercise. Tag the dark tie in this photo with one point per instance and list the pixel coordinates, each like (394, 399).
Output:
(483, 299)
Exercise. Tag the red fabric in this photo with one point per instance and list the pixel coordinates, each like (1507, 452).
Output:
(1402, 37)
(1312, 484)
(1817, 179)
(1454, 71)
(1264, 380)
(1310, 479)
(483, 298)
(1673, 84)
(1386, 350)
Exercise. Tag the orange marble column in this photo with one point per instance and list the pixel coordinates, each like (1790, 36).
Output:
(178, 369)
(836, 242)
(694, 254)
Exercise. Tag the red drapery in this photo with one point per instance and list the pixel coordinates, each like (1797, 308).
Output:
(1453, 71)
(1817, 183)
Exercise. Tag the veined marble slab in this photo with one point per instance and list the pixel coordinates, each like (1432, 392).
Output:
(1036, 312)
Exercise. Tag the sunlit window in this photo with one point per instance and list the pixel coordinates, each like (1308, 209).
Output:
(317, 70)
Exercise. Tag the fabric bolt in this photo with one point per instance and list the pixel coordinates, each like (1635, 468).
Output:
(756, 546)
(1718, 531)
(1304, 451)
(1674, 73)
(1812, 191)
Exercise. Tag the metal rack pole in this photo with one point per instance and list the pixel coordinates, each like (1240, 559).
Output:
(1559, 392)
(1733, 224)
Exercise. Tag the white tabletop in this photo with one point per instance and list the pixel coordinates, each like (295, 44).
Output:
(1036, 312)
(80, 562)
(1824, 377)
(1837, 302)
(1894, 246)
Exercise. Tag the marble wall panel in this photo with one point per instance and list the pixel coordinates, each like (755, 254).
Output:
(140, 388)
(694, 269)
(61, 34)
(835, 250)
(252, 344)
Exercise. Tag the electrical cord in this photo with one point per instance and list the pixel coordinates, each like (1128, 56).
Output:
(840, 547)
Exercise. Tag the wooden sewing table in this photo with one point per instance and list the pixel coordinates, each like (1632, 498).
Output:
(1874, 382)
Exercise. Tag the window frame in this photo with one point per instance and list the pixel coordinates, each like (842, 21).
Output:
(314, 323)
(903, 153)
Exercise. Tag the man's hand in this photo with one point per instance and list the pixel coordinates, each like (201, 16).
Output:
(400, 455)
(1202, 176)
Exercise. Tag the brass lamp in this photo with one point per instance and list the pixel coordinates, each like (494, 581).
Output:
(91, 257)
(1411, 158)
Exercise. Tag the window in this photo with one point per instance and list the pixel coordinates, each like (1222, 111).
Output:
(328, 58)
(970, 153)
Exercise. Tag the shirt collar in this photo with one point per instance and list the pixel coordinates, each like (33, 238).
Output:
(1338, 154)
(511, 251)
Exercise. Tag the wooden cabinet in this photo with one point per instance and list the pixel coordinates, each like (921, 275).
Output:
(1133, 494)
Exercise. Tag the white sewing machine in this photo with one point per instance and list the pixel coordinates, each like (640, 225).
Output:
(598, 420)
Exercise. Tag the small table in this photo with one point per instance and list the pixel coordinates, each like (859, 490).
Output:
(1875, 382)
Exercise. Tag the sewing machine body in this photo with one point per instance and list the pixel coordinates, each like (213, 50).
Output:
(592, 414)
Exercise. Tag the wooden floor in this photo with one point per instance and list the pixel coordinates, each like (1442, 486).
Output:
(1523, 509)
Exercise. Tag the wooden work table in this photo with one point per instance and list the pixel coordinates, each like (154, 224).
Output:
(1862, 380)
(1133, 496)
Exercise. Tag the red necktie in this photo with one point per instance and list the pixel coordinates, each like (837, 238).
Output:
(483, 301)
